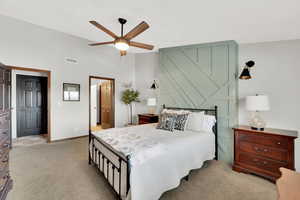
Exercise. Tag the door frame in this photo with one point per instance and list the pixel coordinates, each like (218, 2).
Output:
(48, 94)
(112, 101)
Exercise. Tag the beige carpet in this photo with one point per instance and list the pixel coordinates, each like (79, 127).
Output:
(29, 140)
(60, 171)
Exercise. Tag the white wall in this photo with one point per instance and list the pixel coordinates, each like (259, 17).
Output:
(276, 74)
(146, 70)
(27, 45)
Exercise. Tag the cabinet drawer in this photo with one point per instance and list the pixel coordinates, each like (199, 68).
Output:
(262, 150)
(4, 122)
(3, 181)
(267, 140)
(144, 122)
(4, 148)
(262, 163)
(143, 118)
(4, 168)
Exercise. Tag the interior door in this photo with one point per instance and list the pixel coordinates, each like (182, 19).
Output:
(106, 105)
(31, 105)
(93, 105)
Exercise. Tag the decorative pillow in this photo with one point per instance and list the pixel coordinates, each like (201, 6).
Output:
(195, 121)
(180, 123)
(166, 122)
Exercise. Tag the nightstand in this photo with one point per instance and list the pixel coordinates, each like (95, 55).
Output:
(147, 118)
(263, 152)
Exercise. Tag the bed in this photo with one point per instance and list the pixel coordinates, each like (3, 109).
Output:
(142, 162)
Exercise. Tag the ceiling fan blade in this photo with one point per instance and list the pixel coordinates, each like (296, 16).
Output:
(101, 43)
(141, 45)
(123, 53)
(104, 29)
(136, 30)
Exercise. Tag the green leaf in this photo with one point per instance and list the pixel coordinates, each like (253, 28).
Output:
(130, 95)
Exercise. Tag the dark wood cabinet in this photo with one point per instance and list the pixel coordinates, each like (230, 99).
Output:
(263, 152)
(5, 130)
(147, 118)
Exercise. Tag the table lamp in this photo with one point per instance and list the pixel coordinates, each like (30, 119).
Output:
(256, 104)
(151, 102)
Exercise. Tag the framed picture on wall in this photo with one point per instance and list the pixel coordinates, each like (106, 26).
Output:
(71, 92)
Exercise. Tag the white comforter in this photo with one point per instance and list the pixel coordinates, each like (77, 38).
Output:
(159, 158)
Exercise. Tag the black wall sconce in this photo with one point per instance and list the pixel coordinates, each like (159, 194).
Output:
(154, 85)
(246, 71)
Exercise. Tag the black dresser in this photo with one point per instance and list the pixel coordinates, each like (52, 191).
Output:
(5, 130)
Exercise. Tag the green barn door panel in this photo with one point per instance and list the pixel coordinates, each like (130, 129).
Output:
(202, 76)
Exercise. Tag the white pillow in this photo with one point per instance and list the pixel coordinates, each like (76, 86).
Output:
(208, 123)
(195, 121)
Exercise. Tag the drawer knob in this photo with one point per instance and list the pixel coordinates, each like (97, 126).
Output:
(265, 162)
(266, 150)
(6, 145)
(279, 143)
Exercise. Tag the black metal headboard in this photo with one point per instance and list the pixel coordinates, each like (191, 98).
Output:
(213, 112)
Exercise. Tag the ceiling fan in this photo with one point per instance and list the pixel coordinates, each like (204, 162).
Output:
(123, 42)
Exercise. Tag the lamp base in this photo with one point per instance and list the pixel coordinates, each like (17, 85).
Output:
(256, 122)
(257, 129)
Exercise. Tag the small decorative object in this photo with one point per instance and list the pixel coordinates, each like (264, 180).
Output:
(71, 92)
(246, 71)
(128, 97)
(151, 102)
(154, 85)
(255, 104)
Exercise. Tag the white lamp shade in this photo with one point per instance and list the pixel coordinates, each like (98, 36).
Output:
(151, 102)
(257, 103)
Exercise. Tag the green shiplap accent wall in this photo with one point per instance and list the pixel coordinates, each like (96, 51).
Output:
(202, 76)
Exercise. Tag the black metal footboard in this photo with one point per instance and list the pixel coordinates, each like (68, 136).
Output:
(112, 165)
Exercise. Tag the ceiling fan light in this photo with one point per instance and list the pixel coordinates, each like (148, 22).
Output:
(122, 45)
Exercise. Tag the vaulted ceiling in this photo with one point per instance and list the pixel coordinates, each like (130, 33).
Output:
(172, 22)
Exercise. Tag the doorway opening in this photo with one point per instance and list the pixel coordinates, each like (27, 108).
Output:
(101, 103)
(31, 106)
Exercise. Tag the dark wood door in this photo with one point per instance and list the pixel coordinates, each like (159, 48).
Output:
(5, 130)
(31, 105)
(106, 105)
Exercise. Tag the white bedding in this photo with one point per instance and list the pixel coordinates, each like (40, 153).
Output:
(159, 158)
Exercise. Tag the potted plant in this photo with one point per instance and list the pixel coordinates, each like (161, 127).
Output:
(128, 97)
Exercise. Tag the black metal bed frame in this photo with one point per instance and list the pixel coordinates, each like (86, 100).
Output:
(105, 164)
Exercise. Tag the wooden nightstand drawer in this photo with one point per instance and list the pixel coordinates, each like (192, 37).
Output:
(272, 141)
(262, 150)
(261, 162)
(143, 121)
(147, 118)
